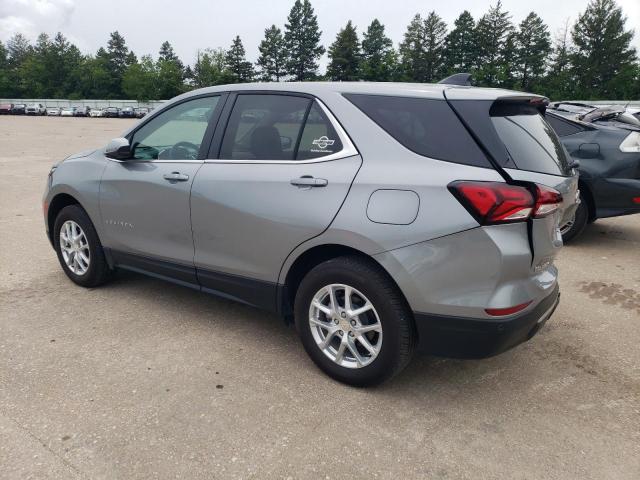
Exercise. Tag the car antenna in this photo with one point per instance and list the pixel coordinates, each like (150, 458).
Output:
(462, 79)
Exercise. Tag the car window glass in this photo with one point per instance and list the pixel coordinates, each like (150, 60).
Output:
(264, 127)
(532, 143)
(319, 138)
(175, 134)
(424, 126)
(562, 127)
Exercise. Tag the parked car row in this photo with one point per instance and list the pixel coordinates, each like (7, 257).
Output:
(39, 109)
(604, 142)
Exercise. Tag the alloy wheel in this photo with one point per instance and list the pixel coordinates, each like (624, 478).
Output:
(345, 326)
(74, 247)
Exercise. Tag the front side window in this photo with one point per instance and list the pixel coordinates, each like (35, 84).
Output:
(175, 134)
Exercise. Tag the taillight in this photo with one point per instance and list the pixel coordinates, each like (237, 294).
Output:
(493, 202)
(548, 201)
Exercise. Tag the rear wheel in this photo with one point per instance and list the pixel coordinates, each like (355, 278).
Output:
(576, 225)
(353, 322)
(79, 249)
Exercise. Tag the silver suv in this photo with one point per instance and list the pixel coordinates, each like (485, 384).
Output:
(380, 218)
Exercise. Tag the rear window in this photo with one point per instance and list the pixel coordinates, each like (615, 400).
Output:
(563, 127)
(427, 127)
(530, 141)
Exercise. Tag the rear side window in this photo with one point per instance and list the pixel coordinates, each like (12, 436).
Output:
(530, 141)
(427, 127)
(319, 138)
(562, 127)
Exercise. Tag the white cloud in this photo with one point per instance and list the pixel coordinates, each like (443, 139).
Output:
(30, 17)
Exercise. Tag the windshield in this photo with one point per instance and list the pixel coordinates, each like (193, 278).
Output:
(530, 141)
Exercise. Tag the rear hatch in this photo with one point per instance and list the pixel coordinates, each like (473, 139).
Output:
(524, 148)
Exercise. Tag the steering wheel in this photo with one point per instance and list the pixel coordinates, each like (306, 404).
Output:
(184, 151)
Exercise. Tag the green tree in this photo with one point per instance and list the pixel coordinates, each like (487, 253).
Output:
(412, 51)
(460, 45)
(603, 60)
(557, 84)
(344, 55)
(379, 59)
(435, 32)
(4, 71)
(302, 42)
(118, 60)
(491, 33)
(423, 47)
(533, 46)
(273, 55)
(507, 69)
(239, 68)
(140, 80)
(19, 50)
(210, 68)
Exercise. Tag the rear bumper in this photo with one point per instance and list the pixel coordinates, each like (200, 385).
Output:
(478, 338)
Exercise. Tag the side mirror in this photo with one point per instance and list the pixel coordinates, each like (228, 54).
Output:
(118, 149)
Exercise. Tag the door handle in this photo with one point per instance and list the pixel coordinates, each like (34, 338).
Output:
(309, 181)
(176, 177)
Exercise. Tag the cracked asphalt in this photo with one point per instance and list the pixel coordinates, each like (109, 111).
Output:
(143, 380)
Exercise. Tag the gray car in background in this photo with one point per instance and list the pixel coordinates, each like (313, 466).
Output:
(380, 218)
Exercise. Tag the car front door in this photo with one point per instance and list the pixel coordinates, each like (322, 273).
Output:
(144, 201)
(281, 172)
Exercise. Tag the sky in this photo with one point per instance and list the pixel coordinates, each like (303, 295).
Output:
(190, 25)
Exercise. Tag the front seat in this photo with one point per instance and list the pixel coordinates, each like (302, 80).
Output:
(266, 143)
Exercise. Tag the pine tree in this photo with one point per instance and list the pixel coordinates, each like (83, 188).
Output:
(460, 45)
(273, 55)
(604, 62)
(4, 72)
(118, 56)
(167, 54)
(412, 51)
(240, 69)
(435, 32)
(491, 33)
(302, 41)
(379, 59)
(533, 46)
(507, 69)
(558, 85)
(345, 55)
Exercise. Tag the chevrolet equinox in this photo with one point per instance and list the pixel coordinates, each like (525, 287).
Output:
(379, 218)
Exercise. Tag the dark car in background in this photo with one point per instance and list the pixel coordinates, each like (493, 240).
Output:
(82, 111)
(141, 112)
(127, 112)
(19, 109)
(111, 112)
(606, 143)
(5, 108)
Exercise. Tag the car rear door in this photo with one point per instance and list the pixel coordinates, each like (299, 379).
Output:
(526, 149)
(278, 172)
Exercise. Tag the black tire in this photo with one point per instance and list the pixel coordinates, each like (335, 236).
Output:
(395, 317)
(98, 271)
(579, 222)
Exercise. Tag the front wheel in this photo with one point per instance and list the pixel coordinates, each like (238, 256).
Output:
(79, 249)
(353, 321)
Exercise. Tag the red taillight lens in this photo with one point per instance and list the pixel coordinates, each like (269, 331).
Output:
(636, 199)
(493, 202)
(498, 312)
(548, 201)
